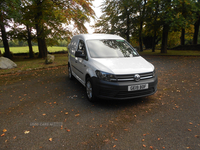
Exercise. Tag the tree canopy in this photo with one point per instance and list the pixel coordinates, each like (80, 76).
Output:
(47, 20)
(149, 20)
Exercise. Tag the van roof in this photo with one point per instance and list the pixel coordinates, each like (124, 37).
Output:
(99, 36)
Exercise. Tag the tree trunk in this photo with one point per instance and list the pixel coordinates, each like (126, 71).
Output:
(141, 25)
(140, 36)
(183, 37)
(154, 42)
(155, 27)
(196, 31)
(40, 32)
(31, 55)
(164, 38)
(41, 42)
(128, 26)
(4, 38)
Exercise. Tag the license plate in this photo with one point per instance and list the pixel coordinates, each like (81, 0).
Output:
(138, 87)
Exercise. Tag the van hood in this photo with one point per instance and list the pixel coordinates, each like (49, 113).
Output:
(125, 65)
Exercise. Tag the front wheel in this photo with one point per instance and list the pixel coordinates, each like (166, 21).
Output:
(89, 90)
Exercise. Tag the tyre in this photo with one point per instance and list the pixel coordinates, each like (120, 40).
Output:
(71, 77)
(89, 90)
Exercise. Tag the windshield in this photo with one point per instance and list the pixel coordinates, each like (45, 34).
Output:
(110, 49)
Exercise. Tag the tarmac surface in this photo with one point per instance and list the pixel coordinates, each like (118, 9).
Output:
(43, 109)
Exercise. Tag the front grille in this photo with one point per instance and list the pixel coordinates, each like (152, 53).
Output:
(130, 77)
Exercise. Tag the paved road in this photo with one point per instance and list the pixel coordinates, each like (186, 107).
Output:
(43, 109)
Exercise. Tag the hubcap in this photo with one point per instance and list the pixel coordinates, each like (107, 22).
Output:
(89, 89)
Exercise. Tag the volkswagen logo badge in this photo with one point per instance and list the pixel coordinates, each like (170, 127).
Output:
(137, 77)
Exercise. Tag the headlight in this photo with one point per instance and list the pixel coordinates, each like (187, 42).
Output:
(105, 76)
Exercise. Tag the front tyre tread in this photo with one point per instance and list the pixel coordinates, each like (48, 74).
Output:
(89, 90)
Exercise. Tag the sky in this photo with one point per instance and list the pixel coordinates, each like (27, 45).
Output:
(96, 8)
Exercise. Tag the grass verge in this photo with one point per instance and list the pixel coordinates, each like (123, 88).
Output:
(170, 53)
(36, 63)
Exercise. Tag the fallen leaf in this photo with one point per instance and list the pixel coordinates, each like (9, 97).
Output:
(158, 139)
(106, 140)
(43, 114)
(14, 137)
(2, 134)
(66, 113)
(77, 115)
(6, 141)
(114, 146)
(26, 132)
(189, 130)
(50, 139)
(125, 129)
(190, 123)
(68, 130)
(4, 130)
(144, 145)
(151, 147)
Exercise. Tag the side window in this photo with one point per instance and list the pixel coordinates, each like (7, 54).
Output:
(72, 46)
(81, 47)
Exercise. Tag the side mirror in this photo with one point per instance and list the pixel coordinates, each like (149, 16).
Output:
(79, 54)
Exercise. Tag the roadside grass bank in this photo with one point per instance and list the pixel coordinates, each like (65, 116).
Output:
(35, 63)
(170, 53)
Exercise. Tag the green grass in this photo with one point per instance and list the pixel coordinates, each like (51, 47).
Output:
(36, 63)
(25, 49)
(171, 53)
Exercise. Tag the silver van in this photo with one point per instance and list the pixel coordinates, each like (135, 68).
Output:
(110, 68)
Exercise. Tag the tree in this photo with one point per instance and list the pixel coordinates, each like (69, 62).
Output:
(23, 26)
(3, 33)
(141, 18)
(51, 18)
(8, 12)
(121, 17)
(115, 18)
(197, 24)
(23, 34)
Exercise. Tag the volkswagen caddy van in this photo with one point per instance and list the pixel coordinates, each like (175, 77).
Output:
(110, 68)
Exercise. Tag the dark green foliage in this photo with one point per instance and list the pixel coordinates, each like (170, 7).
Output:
(136, 19)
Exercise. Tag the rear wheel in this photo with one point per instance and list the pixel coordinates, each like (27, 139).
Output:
(89, 90)
(71, 77)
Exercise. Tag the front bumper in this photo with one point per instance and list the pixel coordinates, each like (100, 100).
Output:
(119, 90)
